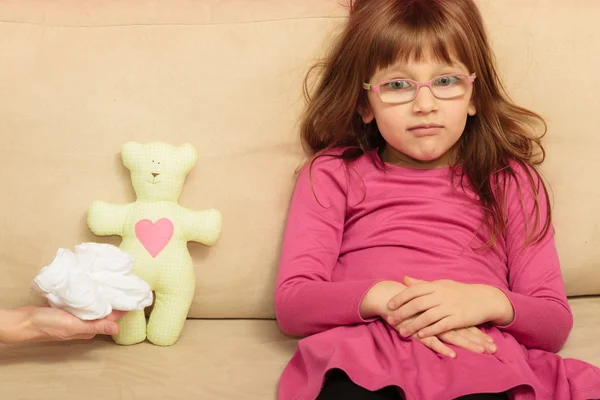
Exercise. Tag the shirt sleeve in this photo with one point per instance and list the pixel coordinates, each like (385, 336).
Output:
(542, 316)
(306, 299)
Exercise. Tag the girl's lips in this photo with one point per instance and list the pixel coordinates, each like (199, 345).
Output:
(426, 131)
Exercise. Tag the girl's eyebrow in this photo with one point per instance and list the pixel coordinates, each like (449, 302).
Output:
(401, 72)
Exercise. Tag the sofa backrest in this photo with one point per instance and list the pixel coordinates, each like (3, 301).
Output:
(79, 79)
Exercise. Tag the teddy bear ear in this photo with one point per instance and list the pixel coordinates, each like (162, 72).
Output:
(128, 151)
(188, 155)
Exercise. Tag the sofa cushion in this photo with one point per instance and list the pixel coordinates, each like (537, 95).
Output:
(214, 359)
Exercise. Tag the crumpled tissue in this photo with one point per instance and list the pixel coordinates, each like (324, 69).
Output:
(92, 281)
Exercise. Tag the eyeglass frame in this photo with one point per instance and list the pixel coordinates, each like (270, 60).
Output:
(375, 88)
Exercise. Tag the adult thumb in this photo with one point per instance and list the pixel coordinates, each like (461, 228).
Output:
(104, 327)
(111, 328)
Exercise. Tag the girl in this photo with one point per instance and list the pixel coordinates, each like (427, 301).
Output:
(419, 260)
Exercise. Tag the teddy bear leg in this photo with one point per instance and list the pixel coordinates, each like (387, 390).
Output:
(132, 328)
(168, 317)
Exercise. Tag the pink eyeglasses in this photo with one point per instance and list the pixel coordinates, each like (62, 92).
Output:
(398, 91)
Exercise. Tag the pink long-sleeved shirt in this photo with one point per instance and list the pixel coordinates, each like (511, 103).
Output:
(351, 227)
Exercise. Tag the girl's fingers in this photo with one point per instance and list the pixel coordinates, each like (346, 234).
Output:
(477, 330)
(454, 338)
(434, 324)
(436, 345)
(411, 292)
(413, 308)
(478, 337)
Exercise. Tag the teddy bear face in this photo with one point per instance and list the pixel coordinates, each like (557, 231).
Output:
(158, 170)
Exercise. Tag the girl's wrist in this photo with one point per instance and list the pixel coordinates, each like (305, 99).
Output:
(500, 310)
(374, 303)
(368, 305)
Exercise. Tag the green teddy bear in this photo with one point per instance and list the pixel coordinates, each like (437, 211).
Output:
(155, 230)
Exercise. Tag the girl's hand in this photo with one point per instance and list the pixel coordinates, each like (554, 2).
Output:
(375, 304)
(471, 339)
(445, 305)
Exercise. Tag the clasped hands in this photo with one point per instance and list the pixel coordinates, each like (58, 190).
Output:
(438, 312)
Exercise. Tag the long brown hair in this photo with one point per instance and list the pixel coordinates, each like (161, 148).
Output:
(379, 33)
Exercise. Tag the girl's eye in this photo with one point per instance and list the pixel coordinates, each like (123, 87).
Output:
(398, 85)
(446, 81)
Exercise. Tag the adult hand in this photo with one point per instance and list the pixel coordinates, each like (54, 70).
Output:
(43, 324)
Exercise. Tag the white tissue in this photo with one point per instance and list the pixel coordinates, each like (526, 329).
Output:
(92, 282)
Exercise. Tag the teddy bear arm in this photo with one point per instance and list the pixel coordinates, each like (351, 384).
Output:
(203, 226)
(105, 219)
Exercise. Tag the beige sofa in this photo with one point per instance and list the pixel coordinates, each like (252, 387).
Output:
(80, 78)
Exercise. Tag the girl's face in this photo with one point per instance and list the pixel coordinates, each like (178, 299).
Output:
(407, 144)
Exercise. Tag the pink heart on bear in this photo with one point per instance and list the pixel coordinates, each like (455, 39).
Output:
(154, 236)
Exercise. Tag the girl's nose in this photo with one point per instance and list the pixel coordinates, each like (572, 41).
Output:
(425, 102)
